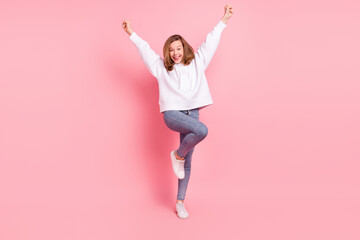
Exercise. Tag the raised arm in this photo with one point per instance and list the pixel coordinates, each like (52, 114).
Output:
(152, 61)
(207, 50)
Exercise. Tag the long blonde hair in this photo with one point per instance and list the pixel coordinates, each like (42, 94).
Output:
(188, 52)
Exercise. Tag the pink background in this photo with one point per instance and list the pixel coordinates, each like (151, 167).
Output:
(84, 149)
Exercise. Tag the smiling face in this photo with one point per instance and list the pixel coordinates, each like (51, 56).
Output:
(176, 51)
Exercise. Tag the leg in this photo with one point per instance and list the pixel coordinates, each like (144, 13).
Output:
(187, 123)
(183, 183)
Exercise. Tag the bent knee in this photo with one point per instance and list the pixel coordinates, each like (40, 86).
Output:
(202, 131)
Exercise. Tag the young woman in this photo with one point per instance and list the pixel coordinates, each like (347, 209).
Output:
(183, 91)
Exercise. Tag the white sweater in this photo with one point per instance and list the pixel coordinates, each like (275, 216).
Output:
(185, 87)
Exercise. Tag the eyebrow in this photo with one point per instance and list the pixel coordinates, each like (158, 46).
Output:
(176, 46)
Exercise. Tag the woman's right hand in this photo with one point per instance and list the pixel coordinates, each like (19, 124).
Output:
(126, 26)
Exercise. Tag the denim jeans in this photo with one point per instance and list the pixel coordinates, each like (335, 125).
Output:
(192, 131)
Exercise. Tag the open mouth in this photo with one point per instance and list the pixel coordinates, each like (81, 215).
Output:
(176, 58)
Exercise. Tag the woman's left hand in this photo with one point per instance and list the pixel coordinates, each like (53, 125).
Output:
(228, 12)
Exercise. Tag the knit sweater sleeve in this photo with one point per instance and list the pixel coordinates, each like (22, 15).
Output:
(207, 50)
(152, 61)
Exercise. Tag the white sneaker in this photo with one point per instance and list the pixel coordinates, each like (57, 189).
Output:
(181, 211)
(178, 166)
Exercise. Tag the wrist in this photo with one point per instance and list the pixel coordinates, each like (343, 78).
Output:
(225, 19)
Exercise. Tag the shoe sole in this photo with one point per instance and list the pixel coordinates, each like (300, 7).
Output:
(181, 217)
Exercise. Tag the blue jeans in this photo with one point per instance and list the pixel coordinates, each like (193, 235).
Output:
(192, 131)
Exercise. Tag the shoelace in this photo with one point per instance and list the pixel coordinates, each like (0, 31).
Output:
(182, 207)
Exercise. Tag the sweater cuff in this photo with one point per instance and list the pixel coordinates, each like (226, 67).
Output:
(132, 36)
(221, 25)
